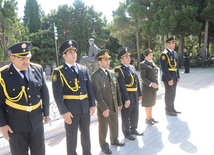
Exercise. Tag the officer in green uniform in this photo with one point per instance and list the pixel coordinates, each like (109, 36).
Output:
(107, 94)
(130, 93)
(74, 97)
(170, 76)
(24, 102)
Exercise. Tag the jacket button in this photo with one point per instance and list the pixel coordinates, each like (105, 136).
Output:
(28, 88)
(30, 103)
(29, 96)
(113, 96)
(79, 87)
(80, 93)
(13, 89)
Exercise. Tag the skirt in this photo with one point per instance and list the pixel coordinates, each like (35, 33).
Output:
(149, 98)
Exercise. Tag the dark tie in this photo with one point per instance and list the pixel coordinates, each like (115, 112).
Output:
(25, 78)
(108, 74)
(73, 69)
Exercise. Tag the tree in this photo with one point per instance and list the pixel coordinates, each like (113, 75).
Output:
(11, 30)
(32, 16)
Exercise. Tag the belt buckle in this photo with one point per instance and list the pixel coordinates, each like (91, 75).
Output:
(29, 108)
(81, 97)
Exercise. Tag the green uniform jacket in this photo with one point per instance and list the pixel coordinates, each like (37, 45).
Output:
(107, 92)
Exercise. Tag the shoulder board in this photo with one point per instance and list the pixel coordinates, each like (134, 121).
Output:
(4, 67)
(165, 51)
(34, 64)
(118, 67)
(58, 68)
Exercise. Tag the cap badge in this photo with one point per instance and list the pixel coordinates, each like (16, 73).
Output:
(24, 46)
(106, 53)
(126, 49)
(70, 42)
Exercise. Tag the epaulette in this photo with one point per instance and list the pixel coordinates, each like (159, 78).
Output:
(165, 51)
(58, 68)
(118, 67)
(4, 67)
(34, 64)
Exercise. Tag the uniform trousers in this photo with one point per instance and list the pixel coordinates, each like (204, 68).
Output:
(129, 118)
(170, 92)
(81, 121)
(20, 142)
(112, 121)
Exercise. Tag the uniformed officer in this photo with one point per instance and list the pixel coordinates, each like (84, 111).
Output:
(107, 94)
(130, 93)
(22, 87)
(186, 61)
(74, 96)
(149, 76)
(170, 76)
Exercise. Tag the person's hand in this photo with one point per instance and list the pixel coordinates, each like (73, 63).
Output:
(106, 113)
(179, 79)
(92, 111)
(120, 107)
(46, 119)
(154, 85)
(127, 103)
(170, 82)
(5, 130)
(140, 98)
(67, 118)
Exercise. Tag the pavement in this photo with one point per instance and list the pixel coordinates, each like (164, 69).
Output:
(189, 133)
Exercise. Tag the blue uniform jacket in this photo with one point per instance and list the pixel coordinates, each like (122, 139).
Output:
(169, 66)
(19, 120)
(60, 88)
(124, 78)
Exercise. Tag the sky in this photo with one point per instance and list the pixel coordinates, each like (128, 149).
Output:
(104, 6)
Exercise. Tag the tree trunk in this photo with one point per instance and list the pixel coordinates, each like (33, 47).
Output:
(138, 45)
(149, 42)
(203, 60)
(180, 49)
(199, 40)
(162, 42)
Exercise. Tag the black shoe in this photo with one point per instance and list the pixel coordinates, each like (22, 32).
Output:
(177, 112)
(149, 122)
(130, 137)
(118, 143)
(153, 120)
(170, 113)
(135, 132)
(108, 151)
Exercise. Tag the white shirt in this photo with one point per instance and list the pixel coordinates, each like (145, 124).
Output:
(26, 72)
(75, 66)
(105, 71)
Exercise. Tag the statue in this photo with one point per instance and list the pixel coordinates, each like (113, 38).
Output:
(89, 61)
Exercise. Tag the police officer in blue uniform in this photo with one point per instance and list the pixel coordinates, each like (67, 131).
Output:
(74, 96)
(186, 61)
(130, 93)
(170, 76)
(24, 102)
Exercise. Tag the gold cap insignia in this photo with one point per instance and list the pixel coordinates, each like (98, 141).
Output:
(70, 42)
(150, 50)
(174, 37)
(24, 45)
(106, 53)
(126, 49)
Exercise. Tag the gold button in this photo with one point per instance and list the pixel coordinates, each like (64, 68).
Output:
(30, 103)
(70, 82)
(38, 84)
(80, 93)
(28, 88)
(112, 92)
(11, 72)
(113, 96)
(29, 96)
(78, 81)
(111, 87)
(65, 67)
(7, 110)
(13, 89)
(79, 87)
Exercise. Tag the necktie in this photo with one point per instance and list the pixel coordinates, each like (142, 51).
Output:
(25, 78)
(73, 69)
(108, 74)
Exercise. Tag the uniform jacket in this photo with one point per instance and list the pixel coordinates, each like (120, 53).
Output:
(186, 57)
(107, 92)
(169, 62)
(124, 78)
(60, 88)
(149, 74)
(19, 120)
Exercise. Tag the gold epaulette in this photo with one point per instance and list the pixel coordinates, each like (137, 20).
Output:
(4, 67)
(34, 64)
(58, 68)
(118, 66)
(165, 52)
